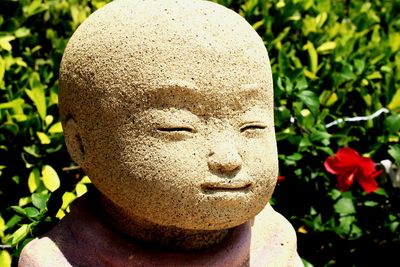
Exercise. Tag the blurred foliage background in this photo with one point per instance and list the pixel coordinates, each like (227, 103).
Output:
(330, 60)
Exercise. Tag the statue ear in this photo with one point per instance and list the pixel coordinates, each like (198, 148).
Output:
(74, 142)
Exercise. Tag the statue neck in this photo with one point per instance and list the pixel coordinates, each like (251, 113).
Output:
(164, 236)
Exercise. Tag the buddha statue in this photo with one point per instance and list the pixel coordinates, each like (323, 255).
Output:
(167, 105)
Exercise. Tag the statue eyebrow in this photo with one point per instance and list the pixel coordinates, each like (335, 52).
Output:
(169, 96)
(187, 95)
(190, 88)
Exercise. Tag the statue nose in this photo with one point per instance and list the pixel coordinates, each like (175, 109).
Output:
(224, 158)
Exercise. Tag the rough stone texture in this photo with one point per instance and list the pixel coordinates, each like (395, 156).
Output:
(84, 239)
(167, 105)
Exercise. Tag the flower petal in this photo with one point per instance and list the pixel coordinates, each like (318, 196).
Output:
(344, 161)
(347, 153)
(368, 183)
(345, 180)
(367, 166)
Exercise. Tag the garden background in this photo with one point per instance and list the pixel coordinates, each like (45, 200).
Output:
(331, 59)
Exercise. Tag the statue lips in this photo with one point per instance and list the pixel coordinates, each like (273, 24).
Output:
(226, 185)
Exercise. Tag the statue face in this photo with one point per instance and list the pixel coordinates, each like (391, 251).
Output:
(193, 157)
(176, 126)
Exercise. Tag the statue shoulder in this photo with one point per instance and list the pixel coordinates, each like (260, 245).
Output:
(274, 240)
(42, 252)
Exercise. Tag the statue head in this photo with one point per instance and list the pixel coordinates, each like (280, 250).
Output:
(167, 105)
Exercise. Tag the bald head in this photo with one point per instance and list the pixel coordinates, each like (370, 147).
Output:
(163, 98)
(136, 45)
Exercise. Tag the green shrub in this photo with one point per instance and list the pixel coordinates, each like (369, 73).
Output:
(330, 60)
(37, 180)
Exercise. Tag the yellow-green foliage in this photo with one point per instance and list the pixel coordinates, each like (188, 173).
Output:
(38, 179)
(330, 59)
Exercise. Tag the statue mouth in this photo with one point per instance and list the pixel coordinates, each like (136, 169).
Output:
(226, 186)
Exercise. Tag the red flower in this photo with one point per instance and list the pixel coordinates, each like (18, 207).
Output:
(348, 165)
(281, 179)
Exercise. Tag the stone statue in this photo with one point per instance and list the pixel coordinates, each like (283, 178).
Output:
(167, 105)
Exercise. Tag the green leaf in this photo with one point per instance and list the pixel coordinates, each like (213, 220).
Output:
(295, 157)
(32, 150)
(283, 61)
(370, 203)
(5, 42)
(34, 180)
(309, 25)
(20, 62)
(19, 210)
(35, 7)
(301, 83)
(5, 258)
(50, 178)
(347, 72)
(331, 100)
(23, 201)
(326, 47)
(2, 226)
(16, 179)
(280, 4)
(321, 18)
(44, 139)
(320, 136)
(49, 119)
(374, 76)
(2, 72)
(22, 32)
(40, 200)
(312, 54)
(344, 206)
(258, 24)
(394, 105)
(346, 224)
(306, 263)
(37, 94)
(381, 191)
(56, 128)
(359, 65)
(335, 194)
(67, 199)
(78, 15)
(38, 98)
(394, 151)
(305, 142)
(14, 104)
(393, 226)
(85, 180)
(392, 123)
(328, 98)
(20, 234)
(394, 41)
(80, 189)
(13, 221)
(310, 99)
(31, 212)
(355, 232)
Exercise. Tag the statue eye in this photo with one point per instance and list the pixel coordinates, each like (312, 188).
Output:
(252, 127)
(176, 133)
(176, 129)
